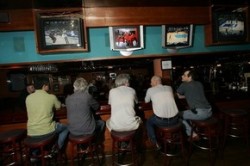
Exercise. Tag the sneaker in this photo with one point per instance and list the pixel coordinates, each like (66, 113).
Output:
(158, 147)
(52, 153)
(194, 137)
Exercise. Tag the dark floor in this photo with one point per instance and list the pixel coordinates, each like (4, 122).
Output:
(236, 154)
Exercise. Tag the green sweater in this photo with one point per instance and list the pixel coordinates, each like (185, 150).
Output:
(40, 106)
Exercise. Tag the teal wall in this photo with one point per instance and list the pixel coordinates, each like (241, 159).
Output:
(99, 46)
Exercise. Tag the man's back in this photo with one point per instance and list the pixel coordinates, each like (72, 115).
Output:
(40, 106)
(80, 117)
(162, 100)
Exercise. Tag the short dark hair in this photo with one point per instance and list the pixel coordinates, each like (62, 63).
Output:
(193, 74)
(40, 82)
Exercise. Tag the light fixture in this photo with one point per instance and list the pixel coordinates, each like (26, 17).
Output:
(172, 50)
(126, 52)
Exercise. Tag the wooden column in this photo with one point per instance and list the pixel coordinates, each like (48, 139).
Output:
(165, 74)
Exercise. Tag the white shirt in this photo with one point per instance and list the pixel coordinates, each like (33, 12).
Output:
(163, 101)
(123, 117)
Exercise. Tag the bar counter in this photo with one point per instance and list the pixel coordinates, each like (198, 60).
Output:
(18, 118)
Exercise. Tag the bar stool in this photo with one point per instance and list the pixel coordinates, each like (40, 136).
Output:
(172, 142)
(209, 132)
(38, 148)
(235, 124)
(83, 145)
(11, 146)
(123, 142)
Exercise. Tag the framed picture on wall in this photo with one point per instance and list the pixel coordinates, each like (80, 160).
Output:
(177, 36)
(59, 31)
(126, 38)
(229, 26)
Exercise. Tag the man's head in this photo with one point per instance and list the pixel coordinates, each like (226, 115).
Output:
(155, 80)
(188, 76)
(42, 83)
(122, 80)
(30, 88)
(80, 84)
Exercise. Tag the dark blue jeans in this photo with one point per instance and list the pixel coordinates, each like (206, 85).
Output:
(99, 130)
(155, 121)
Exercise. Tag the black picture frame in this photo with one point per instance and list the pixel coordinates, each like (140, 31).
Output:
(59, 32)
(177, 36)
(126, 38)
(229, 26)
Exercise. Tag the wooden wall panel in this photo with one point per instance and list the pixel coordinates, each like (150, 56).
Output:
(116, 16)
(20, 19)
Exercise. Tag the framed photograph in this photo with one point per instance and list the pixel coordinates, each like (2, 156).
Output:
(166, 64)
(177, 36)
(229, 26)
(60, 32)
(126, 38)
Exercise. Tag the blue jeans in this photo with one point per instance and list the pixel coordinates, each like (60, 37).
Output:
(202, 113)
(155, 121)
(62, 131)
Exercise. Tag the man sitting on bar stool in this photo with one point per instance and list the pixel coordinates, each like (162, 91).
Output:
(79, 112)
(193, 92)
(40, 105)
(122, 99)
(164, 108)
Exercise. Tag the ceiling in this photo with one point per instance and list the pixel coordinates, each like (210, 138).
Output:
(24, 4)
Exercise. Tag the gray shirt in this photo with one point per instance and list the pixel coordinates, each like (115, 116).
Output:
(80, 108)
(194, 94)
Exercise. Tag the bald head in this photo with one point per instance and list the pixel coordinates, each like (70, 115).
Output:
(155, 80)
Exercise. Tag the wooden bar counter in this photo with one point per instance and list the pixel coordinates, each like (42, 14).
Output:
(17, 118)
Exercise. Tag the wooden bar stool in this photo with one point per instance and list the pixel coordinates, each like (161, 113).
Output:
(123, 142)
(83, 145)
(235, 124)
(11, 146)
(39, 148)
(172, 142)
(209, 132)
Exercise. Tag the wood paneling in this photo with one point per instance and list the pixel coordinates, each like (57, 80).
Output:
(116, 16)
(20, 19)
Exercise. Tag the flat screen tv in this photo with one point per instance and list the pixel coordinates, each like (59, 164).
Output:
(126, 38)
(177, 36)
(229, 26)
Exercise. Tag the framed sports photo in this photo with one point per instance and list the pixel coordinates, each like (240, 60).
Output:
(177, 36)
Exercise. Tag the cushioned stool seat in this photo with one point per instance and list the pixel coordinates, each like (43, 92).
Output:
(83, 145)
(11, 146)
(123, 142)
(39, 148)
(171, 140)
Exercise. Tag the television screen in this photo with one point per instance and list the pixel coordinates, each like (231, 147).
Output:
(229, 26)
(177, 36)
(61, 32)
(126, 38)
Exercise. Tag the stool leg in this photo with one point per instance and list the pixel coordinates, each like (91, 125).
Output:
(246, 132)
(91, 152)
(113, 152)
(72, 153)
